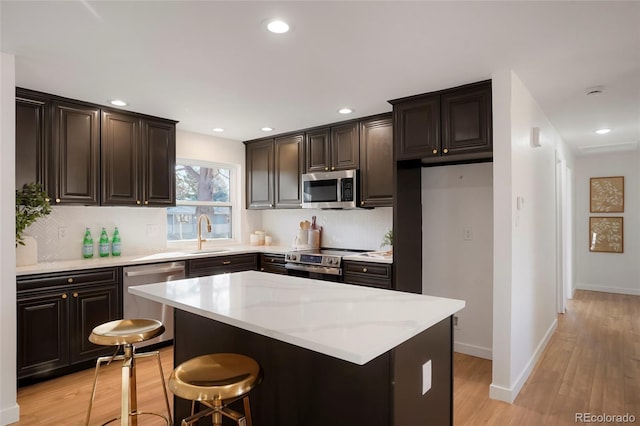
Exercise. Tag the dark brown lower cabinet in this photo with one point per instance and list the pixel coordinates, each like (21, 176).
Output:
(55, 315)
(221, 264)
(370, 274)
(273, 263)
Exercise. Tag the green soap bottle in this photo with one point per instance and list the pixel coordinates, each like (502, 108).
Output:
(103, 245)
(87, 245)
(116, 247)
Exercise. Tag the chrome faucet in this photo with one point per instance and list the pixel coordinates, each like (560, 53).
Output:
(200, 239)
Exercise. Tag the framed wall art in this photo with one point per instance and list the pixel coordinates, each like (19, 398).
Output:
(606, 194)
(606, 234)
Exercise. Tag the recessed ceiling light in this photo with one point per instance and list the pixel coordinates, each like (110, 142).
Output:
(603, 131)
(218, 129)
(118, 102)
(278, 27)
(345, 110)
(267, 129)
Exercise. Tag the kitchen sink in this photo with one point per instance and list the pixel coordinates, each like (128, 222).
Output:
(209, 250)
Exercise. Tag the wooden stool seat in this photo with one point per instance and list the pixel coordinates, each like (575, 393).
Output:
(216, 380)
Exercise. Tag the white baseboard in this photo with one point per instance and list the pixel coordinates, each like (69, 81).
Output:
(502, 393)
(472, 350)
(9, 415)
(608, 289)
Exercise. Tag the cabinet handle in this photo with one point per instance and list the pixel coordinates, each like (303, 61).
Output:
(333, 168)
(69, 280)
(270, 205)
(75, 294)
(64, 296)
(271, 260)
(261, 269)
(226, 262)
(57, 200)
(435, 151)
(364, 269)
(138, 202)
(146, 202)
(446, 151)
(362, 203)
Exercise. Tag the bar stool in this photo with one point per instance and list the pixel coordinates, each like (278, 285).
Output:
(125, 333)
(216, 380)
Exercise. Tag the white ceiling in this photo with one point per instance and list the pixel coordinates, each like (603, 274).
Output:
(213, 64)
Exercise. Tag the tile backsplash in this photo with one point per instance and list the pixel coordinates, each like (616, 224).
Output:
(351, 229)
(143, 230)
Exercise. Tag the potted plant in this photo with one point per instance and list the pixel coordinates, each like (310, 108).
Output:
(387, 240)
(32, 203)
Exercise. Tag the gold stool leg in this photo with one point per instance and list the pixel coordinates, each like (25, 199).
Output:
(247, 410)
(164, 385)
(125, 409)
(95, 385)
(133, 390)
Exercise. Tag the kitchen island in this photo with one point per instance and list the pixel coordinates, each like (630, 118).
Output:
(332, 354)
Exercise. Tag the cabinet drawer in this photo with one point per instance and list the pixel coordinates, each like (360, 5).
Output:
(368, 274)
(221, 264)
(62, 279)
(273, 263)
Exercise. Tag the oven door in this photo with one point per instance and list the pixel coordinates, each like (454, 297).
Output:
(314, 272)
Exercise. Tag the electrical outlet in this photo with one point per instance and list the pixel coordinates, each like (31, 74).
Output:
(62, 233)
(426, 377)
(152, 230)
(455, 321)
(467, 233)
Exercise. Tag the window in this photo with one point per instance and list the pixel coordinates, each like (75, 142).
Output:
(201, 188)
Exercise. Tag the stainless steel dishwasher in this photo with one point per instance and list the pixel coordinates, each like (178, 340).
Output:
(138, 307)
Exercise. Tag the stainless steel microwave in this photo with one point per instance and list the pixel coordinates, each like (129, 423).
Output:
(330, 190)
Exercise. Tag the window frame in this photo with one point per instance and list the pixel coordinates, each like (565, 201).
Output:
(234, 202)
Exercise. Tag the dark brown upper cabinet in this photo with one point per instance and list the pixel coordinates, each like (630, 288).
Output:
(452, 125)
(274, 167)
(376, 161)
(335, 148)
(138, 160)
(260, 174)
(289, 166)
(75, 154)
(32, 127)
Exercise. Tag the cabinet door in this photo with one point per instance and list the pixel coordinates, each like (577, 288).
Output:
(260, 175)
(289, 166)
(318, 147)
(376, 162)
(221, 264)
(75, 160)
(416, 126)
(120, 148)
(31, 139)
(43, 342)
(90, 307)
(345, 153)
(466, 121)
(159, 163)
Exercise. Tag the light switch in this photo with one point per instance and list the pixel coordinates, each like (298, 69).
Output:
(467, 233)
(426, 377)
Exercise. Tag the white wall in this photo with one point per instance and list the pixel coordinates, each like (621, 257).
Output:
(351, 229)
(609, 272)
(455, 198)
(9, 410)
(524, 240)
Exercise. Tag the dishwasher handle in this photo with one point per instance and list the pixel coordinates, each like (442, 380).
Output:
(168, 270)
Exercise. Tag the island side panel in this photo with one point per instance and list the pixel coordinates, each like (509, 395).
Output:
(300, 387)
(410, 405)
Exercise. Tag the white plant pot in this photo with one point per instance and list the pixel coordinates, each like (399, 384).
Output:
(27, 254)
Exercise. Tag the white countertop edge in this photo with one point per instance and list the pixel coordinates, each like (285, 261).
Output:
(448, 308)
(369, 259)
(170, 255)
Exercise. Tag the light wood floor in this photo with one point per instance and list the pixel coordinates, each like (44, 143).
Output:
(592, 364)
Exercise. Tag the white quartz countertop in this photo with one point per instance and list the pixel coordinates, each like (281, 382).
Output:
(165, 256)
(349, 322)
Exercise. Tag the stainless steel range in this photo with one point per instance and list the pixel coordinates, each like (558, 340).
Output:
(322, 264)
